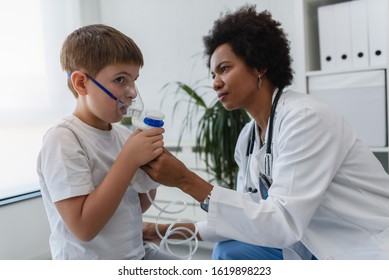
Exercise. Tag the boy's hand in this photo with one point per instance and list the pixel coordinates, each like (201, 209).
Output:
(144, 146)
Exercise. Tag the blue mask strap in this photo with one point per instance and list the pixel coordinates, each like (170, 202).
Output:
(101, 87)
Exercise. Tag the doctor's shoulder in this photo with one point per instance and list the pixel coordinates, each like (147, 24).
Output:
(300, 104)
(304, 111)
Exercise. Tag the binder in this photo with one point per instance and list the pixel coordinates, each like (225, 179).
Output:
(342, 20)
(359, 34)
(378, 12)
(326, 37)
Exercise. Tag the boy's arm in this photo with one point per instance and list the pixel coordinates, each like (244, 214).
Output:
(87, 215)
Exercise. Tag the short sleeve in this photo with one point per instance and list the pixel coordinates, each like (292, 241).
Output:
(64, 166)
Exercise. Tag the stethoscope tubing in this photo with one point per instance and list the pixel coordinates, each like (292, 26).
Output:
(268, 155)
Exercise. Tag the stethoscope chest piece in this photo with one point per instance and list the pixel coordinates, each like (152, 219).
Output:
(268, 164)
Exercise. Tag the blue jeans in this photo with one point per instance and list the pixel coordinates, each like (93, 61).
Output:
(236, 250)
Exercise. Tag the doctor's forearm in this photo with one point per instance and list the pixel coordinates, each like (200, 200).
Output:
(195, 186)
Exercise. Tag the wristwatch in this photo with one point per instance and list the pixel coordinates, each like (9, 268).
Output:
(205, 203)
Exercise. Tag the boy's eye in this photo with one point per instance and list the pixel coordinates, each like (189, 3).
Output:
(223, 69)
(119, 80)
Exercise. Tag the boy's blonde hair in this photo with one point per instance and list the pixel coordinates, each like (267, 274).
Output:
(93, 47)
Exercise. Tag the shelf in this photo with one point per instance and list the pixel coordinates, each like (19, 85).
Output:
(350, 70)
(379, 149)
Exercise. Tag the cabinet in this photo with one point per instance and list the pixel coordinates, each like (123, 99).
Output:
(367, 106)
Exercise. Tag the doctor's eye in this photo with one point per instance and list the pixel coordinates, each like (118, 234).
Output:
(224, 69)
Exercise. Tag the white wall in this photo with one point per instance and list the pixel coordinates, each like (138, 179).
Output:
(25, 231)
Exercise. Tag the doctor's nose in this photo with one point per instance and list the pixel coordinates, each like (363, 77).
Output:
(217, 84)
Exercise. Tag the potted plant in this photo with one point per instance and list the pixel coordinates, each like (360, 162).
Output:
(217, 131)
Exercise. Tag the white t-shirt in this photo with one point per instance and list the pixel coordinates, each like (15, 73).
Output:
(74, 160)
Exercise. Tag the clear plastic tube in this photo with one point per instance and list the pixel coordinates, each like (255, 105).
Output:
(165, 241)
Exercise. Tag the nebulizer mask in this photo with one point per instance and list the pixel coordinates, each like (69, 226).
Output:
(132, 104)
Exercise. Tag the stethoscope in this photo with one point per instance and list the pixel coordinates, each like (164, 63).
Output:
(265, 178)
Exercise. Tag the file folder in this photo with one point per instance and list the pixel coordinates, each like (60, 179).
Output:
(326, 37)
(359, 34)
(342, 19)
(378, 12)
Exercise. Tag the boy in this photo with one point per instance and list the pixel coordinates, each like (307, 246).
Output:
(87, 162)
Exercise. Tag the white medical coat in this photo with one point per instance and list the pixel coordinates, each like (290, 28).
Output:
(329, 191)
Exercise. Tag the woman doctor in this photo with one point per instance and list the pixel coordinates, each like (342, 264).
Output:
(306, 184)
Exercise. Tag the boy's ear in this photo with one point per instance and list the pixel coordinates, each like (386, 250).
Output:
(78, 81)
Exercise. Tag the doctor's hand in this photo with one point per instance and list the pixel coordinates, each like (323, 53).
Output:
(167, 170)
(149, 233)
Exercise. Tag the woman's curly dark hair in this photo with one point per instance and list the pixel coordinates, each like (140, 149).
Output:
(257, 39)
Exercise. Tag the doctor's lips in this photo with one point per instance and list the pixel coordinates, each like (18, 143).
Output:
(221, 95)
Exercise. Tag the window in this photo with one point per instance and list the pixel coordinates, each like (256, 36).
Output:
(27, 106)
